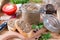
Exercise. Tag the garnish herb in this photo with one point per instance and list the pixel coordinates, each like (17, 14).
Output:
(37, 1)
(39, 26)
(33, 26)
(45, 36)
(19, 1)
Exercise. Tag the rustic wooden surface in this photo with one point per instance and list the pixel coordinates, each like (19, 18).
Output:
(3, 31)
(55, 36)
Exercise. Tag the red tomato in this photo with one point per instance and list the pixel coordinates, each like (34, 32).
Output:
(9, 9)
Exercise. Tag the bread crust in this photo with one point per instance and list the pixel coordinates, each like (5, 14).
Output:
(29, 34)
(11, 24)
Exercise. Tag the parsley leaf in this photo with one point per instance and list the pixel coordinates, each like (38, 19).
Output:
(33, 26)
(19, 1)
(39, 26)
(37, 1)
(45, 36)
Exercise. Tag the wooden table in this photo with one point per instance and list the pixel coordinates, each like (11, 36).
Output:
(3, 31)
(55, 36)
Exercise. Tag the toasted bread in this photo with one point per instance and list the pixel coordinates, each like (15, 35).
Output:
(23, 28)
(11, 25)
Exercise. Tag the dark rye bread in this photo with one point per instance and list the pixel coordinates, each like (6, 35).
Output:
(23, 28)
(11, 25)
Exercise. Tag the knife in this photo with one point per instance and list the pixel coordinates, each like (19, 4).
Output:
(4, 24)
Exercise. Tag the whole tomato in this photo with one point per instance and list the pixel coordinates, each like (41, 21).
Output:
(9, 9)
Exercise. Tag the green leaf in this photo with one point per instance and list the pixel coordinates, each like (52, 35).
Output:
(37, 1)
(39, 26)
(12, 1)
(33, 26)
(45, 36)
(19, 1)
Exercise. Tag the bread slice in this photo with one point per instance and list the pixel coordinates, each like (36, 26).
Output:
(23, 28)
(11, 25)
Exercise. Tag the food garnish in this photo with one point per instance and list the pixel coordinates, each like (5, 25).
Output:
(39, 26)
(45, 36)
(37, 1)
(19, 1)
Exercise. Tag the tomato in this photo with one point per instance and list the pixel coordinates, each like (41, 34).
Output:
(9, 9)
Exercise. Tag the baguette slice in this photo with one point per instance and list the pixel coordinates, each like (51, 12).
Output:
(23, 28)
(11, 25)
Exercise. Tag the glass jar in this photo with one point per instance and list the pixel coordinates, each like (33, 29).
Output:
(51, 23)
(30, 13)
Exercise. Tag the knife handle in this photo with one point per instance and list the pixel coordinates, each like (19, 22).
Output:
(3, 25)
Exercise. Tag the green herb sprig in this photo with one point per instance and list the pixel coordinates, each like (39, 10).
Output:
(19, 1)
(45, 36)
(37, 1)
(39, 26)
